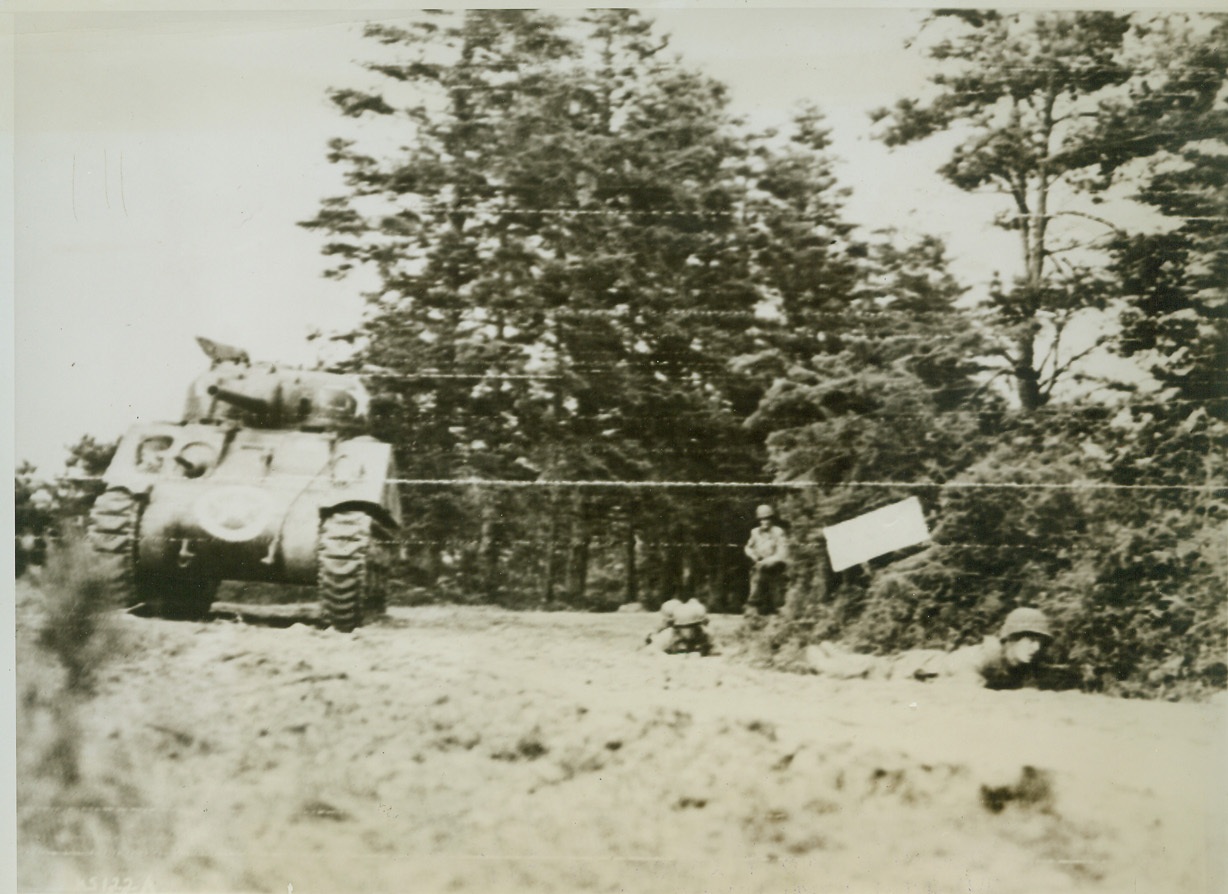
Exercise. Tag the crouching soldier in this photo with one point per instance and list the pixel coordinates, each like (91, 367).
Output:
(683, 628)
(1005, 661)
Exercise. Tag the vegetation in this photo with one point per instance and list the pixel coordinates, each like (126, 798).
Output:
(591, 274)
(64, 641)
(1053, 111)
(610, 318)
(46, 511)
(573, 250)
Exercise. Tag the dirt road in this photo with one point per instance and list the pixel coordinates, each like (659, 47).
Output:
(477, 750)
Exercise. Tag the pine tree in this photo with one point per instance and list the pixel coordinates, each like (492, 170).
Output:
(1031, 95)
(565, 276)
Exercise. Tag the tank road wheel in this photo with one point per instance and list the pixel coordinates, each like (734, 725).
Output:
(114, 521)
(350, 569)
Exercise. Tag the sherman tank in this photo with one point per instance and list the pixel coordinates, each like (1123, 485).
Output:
(270, 476)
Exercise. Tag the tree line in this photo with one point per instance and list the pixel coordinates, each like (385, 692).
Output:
(609, 318)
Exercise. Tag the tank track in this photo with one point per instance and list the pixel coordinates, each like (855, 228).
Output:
(114, 526)
(350, 569)
(114, 533)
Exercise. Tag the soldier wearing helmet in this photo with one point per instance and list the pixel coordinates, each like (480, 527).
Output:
(35, 524)
(683, 628)
(1005, 661)
(1024, 635)
(768, 550)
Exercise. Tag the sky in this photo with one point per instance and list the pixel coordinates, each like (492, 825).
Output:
(162, 161)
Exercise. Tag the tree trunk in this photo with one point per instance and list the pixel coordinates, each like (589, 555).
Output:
(551, 540)
(577, 563)
(489, 548)
(432, 560)
(671, 573)
(1027, 377)
(650, 572)
(631, 592)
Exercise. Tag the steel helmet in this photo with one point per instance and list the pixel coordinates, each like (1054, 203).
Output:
(1026, 620)
(689, 613)
(765, 511)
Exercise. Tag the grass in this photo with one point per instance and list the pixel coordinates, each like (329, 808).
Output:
(74, 627)
(68, 808)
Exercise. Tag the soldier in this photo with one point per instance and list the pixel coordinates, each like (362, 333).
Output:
(1005, 661)
(34, 525)
(768, 550)
(151, 453)
(684, 628)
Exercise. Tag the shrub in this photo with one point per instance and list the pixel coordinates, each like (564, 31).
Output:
(74, 627)
(1112, 522)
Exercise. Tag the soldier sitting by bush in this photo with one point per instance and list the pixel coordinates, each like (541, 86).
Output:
(768, 550)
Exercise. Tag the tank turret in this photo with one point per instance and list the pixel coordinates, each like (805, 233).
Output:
(265, 395)
(269, 476)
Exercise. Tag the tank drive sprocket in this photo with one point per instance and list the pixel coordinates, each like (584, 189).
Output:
(350, 566)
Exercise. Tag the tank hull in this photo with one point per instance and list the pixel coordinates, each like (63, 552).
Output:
(266, 478)
(253, 509)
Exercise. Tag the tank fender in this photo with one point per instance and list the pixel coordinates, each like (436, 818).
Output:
(135, 483)
(375, 510)
(135, 487)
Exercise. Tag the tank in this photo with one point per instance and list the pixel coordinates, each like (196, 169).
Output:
(270, 476)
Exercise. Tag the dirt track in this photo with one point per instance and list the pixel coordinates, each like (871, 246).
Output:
(476, 750)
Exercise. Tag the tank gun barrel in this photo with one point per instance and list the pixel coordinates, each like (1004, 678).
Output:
(248, 402)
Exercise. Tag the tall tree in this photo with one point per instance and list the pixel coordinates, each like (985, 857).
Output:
(561, 248)
(1034, 98)
(1176, 279)
(900, 361)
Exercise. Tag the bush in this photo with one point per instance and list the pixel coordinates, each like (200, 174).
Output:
(1111, 522)
(74, 627)
(72, 808)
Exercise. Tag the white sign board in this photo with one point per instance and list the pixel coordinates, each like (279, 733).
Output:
(875, 533)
